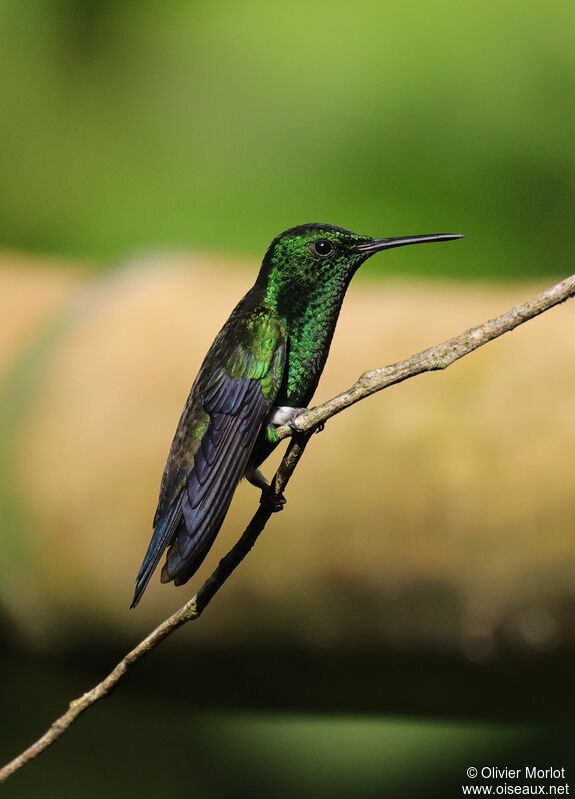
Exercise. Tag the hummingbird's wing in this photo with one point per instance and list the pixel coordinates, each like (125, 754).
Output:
(217, 432)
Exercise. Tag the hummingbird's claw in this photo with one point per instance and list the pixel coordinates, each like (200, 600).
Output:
(293, 427)
(275, 504)
(278, 504)
(297, 432)
(292, 422)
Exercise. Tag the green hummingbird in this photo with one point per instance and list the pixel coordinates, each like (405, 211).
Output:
(260, 372)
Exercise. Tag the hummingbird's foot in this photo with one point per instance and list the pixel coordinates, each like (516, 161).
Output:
(273, 503)
(285, 414)
(319, 428)
(293, 427)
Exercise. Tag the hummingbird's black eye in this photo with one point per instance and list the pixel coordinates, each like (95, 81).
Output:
(322, 247)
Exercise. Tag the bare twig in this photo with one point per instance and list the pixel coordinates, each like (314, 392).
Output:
(434, 358)
(190, 611)
(439, 357)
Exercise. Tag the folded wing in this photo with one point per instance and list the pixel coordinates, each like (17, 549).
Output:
(234, 403)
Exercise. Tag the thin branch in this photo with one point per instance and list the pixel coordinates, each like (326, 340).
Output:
(434, 358)
(439, 357)
(190, 611)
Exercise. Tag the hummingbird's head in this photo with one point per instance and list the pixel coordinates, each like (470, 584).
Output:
(302, 257)
(311, 250)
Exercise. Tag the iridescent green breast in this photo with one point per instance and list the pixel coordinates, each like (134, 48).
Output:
(310, 333)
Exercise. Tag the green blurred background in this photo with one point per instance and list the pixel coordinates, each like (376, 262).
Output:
(127, 125)
(411, 613)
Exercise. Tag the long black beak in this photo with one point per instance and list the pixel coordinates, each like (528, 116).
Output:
(375, 245)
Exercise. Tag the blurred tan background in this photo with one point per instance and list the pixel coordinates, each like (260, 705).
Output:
(436, 514)
(412, 610)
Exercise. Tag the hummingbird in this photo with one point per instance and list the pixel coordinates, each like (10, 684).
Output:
(260, 372)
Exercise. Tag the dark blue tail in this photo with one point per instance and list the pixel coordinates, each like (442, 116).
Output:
(164, 532)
